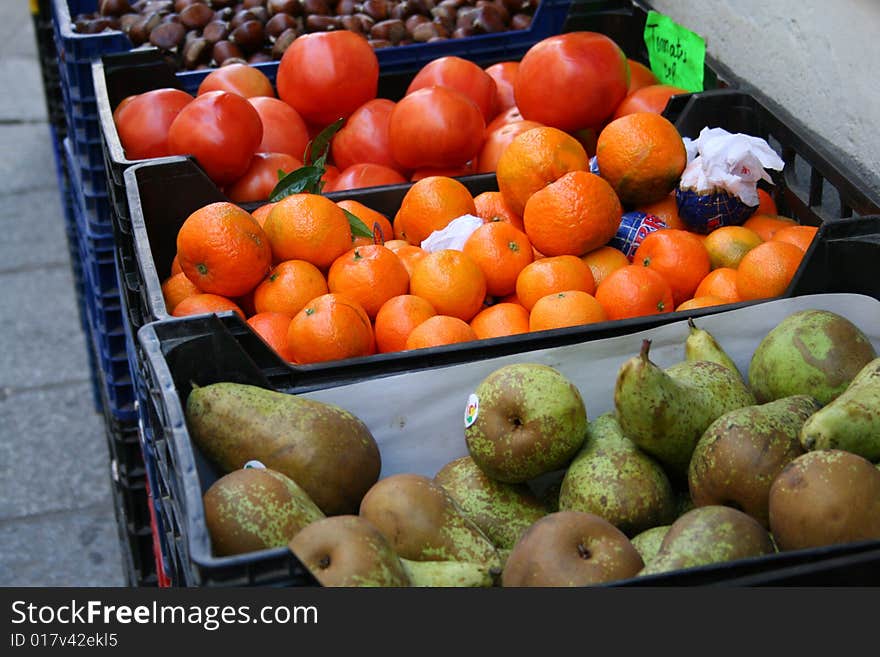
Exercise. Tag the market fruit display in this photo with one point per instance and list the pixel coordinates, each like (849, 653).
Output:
(605, 511)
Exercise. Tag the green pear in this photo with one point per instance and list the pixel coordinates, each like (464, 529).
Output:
(524, 420)
(708, 535)
(348, 550)
(648, 542)
(614, 479)
(437, 574)
(702, 345)
(423, 523)
(254, 509)
(571, 548)
(502, 511)
(811, 352)
(325, 449)
(665, 412)
(852, 421)
(825, 497)
(742, 452)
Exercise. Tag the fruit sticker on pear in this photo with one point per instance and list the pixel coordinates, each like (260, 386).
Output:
(472, 410)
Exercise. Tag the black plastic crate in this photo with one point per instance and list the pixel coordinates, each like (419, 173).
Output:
(177, 354)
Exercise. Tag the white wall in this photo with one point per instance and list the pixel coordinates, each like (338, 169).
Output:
(818, 59)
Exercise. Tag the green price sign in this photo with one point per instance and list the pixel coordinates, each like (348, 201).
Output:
(676, 54)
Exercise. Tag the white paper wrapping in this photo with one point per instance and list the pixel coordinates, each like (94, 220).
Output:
(454, 235)
(417, 418)
(719, 160)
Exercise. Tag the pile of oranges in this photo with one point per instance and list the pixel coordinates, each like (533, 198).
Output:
(540, 260)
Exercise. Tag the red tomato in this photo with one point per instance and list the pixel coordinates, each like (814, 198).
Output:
(364, 137)
(639, 76)
(511, 115)
(241, 79)
(571, 81)
(261, 177)
(463, 76)
(142, 122)
(284, 131)
(221, 130)
(504, 73)
(498, 140)
(454, 172)
(364, 174)
(652, 98)
(331, 173)
(327, 75)
(436, 127)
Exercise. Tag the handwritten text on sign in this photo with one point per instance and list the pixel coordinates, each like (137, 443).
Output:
(676, 54)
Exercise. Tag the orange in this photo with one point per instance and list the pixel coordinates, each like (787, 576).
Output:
(554, 274)
(175, 265)
(246, 303)
(720, 283)
(603, 261)
(642, 156)
(766, 204)
(500, 320)
(727, 245)
(702, 302)
(767, 270)
(429, 205)
(451, 282)
(501, 252)
(800, 236)
(223, 250)
(308, 227)
(177, 288)
(678, 256)
(272, 327)
(651, 98)
(666, 209)
(409, 255)
(375, 221)
(569, 308)
(497, 140)
(491, 206)
(262, 212)
(575, 214)
(634, 291)
(197, 304)
(330, 327)
(766, 225)
(289, 287)
(397, 318)
(440, 330)
(370, 275)
(534, 159)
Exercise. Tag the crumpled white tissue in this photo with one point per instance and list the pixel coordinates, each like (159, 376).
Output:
(722, 161)
(454, 235)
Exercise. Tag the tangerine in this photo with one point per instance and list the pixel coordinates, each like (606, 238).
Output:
(800, 236)
(491, 206)
(727, 245)
(308, 227)
(429, 205)
(370, 275)
(634, 291)
(720, 283)
(397, 318)
(501, 320)
(766, 225)
(603, 261)
(272, 327)
(330, 327)
(677, 255)
(438, 331)
(767, 270)
(177, 288)
(501, 252)
(289, 287)
(451, 282)
(553, 274)
(197, 304)
(568, 308)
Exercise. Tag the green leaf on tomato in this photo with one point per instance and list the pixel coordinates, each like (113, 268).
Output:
(320, 145)
(305, 179)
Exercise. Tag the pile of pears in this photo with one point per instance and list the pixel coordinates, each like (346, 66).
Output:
(696, 465)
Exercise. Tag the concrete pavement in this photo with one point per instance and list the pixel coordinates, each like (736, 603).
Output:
(57, 523)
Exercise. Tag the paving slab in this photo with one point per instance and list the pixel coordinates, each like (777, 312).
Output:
(33, 230)
(17, 29)
(64, 548)
(41, 338)
(54, 455)
(24, 98)
(33, 164)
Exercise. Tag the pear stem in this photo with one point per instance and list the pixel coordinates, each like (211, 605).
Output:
(691, 324)
(646, 346)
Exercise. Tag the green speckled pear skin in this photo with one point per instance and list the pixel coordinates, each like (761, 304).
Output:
(445, 574)
(702, 345)
(255, 509)
(502, 511)
(811, 352)
(742, 452)
(325, 449)
(852, 421)
(532, 420)
(348, 551)
(665, 412)
(648, 542)
(709, 535)
(423, 523)
(612, 478)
